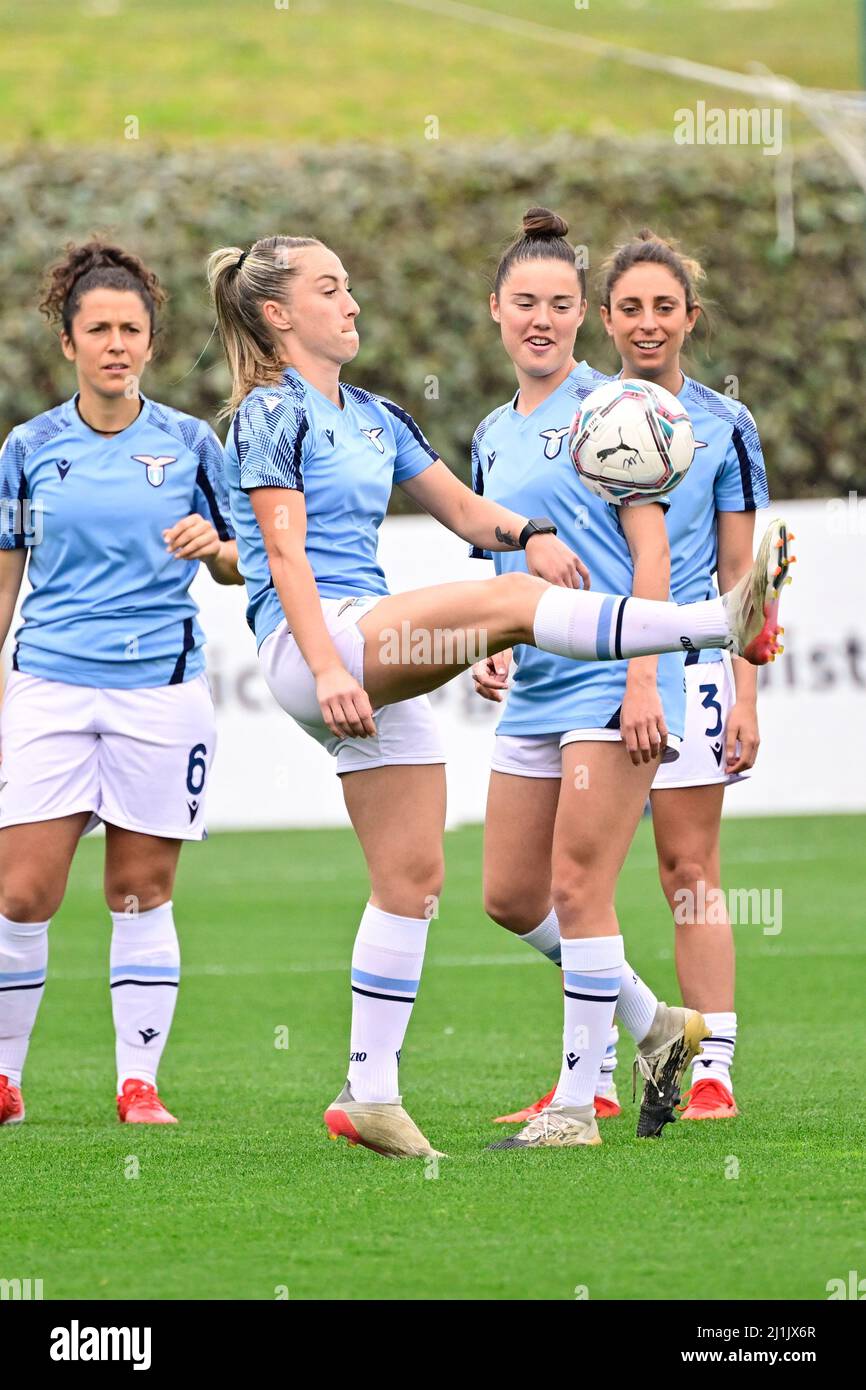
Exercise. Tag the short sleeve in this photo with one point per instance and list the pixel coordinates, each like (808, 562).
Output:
(13, 494)
(271, 435)
(414, 452)
(475, 551)
(741, 483)
(211, 493)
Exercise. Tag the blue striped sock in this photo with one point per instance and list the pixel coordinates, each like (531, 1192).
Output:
(715, 1061)
(23, 962)
(145, 973)
(545, 938)
(591, 971)
(386, 973)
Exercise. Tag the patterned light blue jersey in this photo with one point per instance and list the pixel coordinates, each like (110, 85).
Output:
(522, 462)
(345, 461)
(728, 475)
(109, 607)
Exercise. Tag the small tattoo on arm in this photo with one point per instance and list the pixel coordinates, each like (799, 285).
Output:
(506, 538)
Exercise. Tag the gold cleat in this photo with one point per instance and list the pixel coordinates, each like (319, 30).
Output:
(383, 1126)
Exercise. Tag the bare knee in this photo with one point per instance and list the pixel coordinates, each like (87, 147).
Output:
(410, 889)
(27, 900)
(517, 595)
(582, 902)
(137, 892)
(681, 874)
(518, 910)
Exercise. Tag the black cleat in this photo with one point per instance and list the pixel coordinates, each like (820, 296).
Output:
(663, 1069)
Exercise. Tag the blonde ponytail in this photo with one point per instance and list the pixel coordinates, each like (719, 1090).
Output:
(240, 282)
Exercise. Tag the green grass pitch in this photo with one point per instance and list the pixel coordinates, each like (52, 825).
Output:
(247, 1197)
(331, 70)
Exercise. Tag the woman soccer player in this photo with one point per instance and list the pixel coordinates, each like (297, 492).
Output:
(310, 466)
(107, 713)
(579, 743)
(650, 305)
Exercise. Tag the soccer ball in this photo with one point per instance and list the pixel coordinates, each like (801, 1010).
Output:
(631, 440)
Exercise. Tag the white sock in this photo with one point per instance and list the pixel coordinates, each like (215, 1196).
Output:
(605, 1083)
(386, 972)
(591, 970)
(23, 962)
(717, 1058)
(145, 973)
(636, 1006)
(605, 627)
(545, 938)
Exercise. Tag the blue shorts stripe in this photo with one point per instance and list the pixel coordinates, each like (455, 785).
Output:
(602, 632)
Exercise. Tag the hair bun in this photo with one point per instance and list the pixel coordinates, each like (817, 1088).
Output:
(541, 222)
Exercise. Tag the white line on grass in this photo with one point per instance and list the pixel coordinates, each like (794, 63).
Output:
(776, 951)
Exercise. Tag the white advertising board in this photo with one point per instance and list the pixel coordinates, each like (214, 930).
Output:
(812, 703)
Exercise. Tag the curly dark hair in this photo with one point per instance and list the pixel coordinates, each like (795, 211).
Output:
(97, 265)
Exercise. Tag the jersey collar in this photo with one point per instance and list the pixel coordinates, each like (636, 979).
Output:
(74, 420)
(572, 376)
(319, 395)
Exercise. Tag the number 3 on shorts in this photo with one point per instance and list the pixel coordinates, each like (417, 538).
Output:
(197, 768)
(710, 692)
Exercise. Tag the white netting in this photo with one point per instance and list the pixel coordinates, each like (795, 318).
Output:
(839, 116)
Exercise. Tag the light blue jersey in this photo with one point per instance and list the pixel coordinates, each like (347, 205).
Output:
(728, 475)
(344, 461)
(108, 606)
(522, 462)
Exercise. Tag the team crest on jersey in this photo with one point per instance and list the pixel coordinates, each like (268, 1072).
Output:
(553, 441)
(374, 438)
(156, 466)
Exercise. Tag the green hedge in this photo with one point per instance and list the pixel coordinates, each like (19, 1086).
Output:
(419, 233)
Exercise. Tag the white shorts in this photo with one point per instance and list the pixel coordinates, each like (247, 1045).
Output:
(710, 695)
(406, 732)
(138, 759)
(540, 755)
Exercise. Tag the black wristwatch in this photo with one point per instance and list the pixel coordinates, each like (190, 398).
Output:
(536, 526)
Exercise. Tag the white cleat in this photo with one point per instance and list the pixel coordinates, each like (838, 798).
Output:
(555, 1128)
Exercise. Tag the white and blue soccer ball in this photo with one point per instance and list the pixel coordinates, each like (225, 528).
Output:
(631, 441)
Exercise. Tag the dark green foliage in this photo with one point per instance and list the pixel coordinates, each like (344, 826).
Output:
(419, 233)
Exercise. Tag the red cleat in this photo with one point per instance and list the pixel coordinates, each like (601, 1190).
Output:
(709, 1100)
(606, 1108)
(11, 1103)
(139, 1104)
